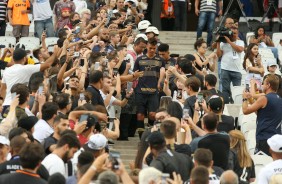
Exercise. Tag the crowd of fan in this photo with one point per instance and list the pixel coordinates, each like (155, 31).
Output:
(106, 75)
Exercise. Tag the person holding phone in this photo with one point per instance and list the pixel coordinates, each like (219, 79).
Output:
(253, 65)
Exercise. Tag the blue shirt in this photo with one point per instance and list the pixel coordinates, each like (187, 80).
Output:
(148, 84)
(269, 118)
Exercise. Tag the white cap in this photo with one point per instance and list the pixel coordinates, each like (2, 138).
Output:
(97, 142)
(134, 1)
(115, 11)
(271, 62)
(141, 36)
(4, 140)
(152, 29)
(144, 24)
(275, 143)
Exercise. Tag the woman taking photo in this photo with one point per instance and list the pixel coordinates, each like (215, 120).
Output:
(263, 40)
(253, 65)
(203, 63)
(246, 169)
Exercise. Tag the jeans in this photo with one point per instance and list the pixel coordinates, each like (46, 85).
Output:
(180, 12)
(206, 18)
(226, 78)
(40, 25)
(219, 74)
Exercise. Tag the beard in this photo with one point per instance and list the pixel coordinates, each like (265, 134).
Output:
(65, 157)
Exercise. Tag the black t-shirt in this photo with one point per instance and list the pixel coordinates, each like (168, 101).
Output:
(22, 178)
(14, 164)
(218, 143)
(214, 91)
(170, 161)
(179, 148)
(226, 125)
(96, 96)
(148, 84)
(49, 141)
(190, 104)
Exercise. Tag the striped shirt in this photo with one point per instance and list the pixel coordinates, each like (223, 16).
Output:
(3, 9)
(208, 5)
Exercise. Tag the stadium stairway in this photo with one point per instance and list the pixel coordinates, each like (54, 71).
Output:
(180, 43)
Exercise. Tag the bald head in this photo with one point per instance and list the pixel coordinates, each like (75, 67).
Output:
(229, 177)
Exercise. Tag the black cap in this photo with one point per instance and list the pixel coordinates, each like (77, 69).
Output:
(156, 138)
(215, 103)
(19, 54)
(28, 122)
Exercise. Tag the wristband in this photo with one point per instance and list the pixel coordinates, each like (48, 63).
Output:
(245, 99)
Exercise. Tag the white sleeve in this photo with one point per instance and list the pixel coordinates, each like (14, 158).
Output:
(131, 60)
(30, 69)
(112, 100)
(240, 43)
(221, 45)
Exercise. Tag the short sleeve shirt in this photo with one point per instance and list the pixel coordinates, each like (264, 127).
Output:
(17, 6)
(269, 170)
(148, 84)
(231, 60)
(62, 10)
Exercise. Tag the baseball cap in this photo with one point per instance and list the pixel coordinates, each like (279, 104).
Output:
(96, 142)
(275, 143)
(271, 63)
(4, 140)
(141, 36)
(215, 103)
(156, 138)
(19, 54)
(28, 122)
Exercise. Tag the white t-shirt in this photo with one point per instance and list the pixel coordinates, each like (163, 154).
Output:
(53, 163)
(15, 74)
(80, 5)
(41, 9)
(42, 130)
(231, 60)
(110, 107)
(269, 170)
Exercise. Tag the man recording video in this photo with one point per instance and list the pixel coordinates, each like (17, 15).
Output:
(230, 48)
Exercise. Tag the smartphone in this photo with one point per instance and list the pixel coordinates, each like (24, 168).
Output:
(167, 97)
(81, 96)
(40, 89)
(114, 157)
(2, 46)
(200, 97)
(97, 65)
(128, 86)
(247, 88)
(13, 95)
(115, 71)
(164, 177)
(179, 94)
(186, 113)
(51, 48)
(83, 117)
(67, 85)
(103, 125)
(76, 54)
(111, 123)
(105, 62)
(82, 62)
(77, 30)
(157, 123)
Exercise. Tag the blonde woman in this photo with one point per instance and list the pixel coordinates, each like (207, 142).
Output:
(246, 171)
